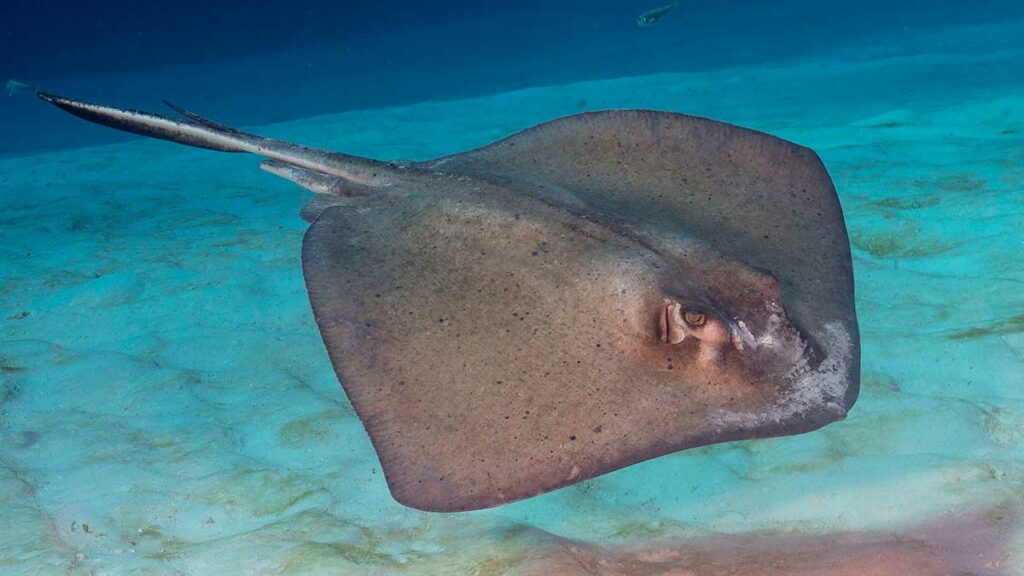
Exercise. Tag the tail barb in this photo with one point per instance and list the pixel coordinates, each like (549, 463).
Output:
(202, 120)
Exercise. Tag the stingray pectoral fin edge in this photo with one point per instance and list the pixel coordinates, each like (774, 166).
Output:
(203, 133)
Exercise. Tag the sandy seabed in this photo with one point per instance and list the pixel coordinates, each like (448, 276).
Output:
(166, 405)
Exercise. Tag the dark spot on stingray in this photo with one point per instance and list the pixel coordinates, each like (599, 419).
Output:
(628, 208)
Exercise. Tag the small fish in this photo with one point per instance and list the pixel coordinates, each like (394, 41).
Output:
(16, 87)
(652, 17)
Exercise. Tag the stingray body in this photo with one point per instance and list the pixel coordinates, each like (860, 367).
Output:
(589, 293)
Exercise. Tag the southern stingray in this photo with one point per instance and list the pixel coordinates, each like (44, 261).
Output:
(581, 296)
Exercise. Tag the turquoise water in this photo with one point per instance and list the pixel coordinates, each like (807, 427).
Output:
(166, 405)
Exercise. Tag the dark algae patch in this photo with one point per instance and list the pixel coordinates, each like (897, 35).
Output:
(910, 203)
(904, 242)
(1011, 325)
(880, 383)
(958, 182)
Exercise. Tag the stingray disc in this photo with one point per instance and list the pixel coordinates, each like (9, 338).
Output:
(495, 321)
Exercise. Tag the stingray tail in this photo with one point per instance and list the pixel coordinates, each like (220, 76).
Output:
(200, 135)
(203, 133)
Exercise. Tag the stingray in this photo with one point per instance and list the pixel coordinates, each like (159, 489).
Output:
(587, 294)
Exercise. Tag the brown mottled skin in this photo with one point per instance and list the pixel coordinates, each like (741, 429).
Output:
(587, 294)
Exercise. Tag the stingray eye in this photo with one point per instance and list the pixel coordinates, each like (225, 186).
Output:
(694, 318)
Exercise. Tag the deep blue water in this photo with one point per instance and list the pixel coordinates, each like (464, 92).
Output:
(256, 62)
